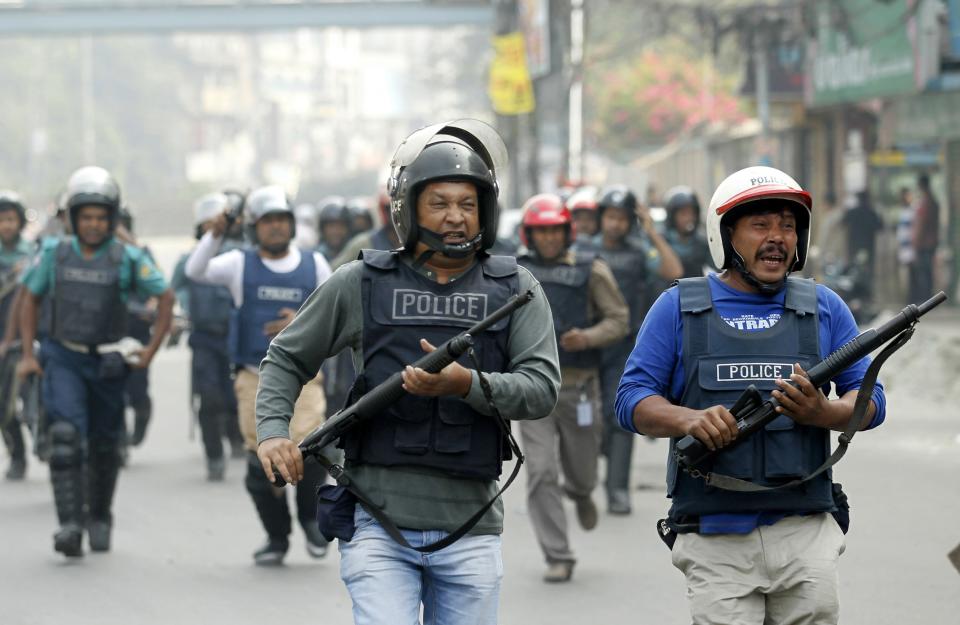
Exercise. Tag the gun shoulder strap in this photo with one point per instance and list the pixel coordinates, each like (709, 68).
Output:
(343, 479)
(843, 442)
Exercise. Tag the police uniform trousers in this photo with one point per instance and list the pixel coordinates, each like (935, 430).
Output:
(781, 573)
(617, 442)
(270, 501)
(75, 391)
(556, 443)
(212, 384)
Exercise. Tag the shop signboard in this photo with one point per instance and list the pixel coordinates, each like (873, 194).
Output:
(862, 50)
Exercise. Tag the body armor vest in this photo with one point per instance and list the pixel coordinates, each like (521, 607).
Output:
(629, 266)
(567, 290)
(720, 362)
(87, 303)
(265, 292)
(210, 308)
(399, 308)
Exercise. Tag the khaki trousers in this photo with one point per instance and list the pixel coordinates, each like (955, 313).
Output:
(308, 412)
(556, 442)
(781, 574)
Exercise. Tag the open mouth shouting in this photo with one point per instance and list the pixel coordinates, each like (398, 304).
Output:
(772, 258)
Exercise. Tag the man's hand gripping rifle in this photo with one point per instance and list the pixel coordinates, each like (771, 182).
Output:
(388, 392)
(752, 413)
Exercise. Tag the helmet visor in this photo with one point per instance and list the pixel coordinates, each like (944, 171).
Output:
(477, 134)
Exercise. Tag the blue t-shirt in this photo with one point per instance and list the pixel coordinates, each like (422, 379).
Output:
(655, 366)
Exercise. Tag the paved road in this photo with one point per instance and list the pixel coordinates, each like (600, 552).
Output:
(182, 546)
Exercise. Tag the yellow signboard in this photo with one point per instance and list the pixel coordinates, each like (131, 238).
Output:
(511, 90)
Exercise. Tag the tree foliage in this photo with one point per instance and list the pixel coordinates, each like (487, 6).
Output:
(655, 96)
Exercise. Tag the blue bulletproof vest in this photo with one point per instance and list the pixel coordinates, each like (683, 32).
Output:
(720, 362)
(399, 308)
(87, 306)
(566, 288)
(265, 292)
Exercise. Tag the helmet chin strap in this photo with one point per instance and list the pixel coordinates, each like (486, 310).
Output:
(434, 240)
(765, 288)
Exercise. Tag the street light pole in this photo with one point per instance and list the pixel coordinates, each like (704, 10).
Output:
(575, 119)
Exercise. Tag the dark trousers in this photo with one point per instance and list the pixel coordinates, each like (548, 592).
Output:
(617, 442)
(74, 391)
(921, 277)
(271, 501)
(213, 385)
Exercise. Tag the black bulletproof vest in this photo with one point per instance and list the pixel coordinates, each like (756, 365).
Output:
(629, 266)
(567, 290)
(211, 307)
(7, 276)
(720, 361)
(399, 308)
(87, 305)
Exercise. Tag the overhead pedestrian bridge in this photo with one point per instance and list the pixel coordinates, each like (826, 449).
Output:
(79, 17)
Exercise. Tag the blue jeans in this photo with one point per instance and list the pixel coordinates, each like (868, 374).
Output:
(458, 585)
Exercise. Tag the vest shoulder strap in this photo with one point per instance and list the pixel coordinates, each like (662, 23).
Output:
(379, 259)
(64, 247)
(801, 296)
(116, 252)
(694, 295)
(499, 266)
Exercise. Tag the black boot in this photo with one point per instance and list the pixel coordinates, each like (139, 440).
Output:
(67, 479)
(13, 437)
(271, 503)
(104, 467)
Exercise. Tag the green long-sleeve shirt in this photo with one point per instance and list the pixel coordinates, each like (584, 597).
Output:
(331, 320)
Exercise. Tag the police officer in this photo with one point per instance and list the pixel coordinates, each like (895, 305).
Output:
(683, 231)
(589, 313)
(15, 251)
(268, 284)
(89, 278)
(750, 557)
(432, 460)
(583, 205)
(209, 308)
(637, 264)
(140, 314)
(334, 226)
(308, 226)
(382, 238)
(361, 219)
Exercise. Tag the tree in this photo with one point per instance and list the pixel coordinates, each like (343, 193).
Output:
(653, 97)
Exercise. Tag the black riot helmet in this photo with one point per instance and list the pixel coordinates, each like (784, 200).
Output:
(359, 209)
(464, 150)
(334, 208)
(11, 200)
(619, 196)
(677, 198)
(126, 218)
(92, 186)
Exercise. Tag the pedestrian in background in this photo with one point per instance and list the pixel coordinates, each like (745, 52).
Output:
(924, 236)
(589, 313)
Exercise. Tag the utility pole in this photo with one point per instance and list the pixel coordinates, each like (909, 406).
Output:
(88, 114)
(575, 108)
(761, 75)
